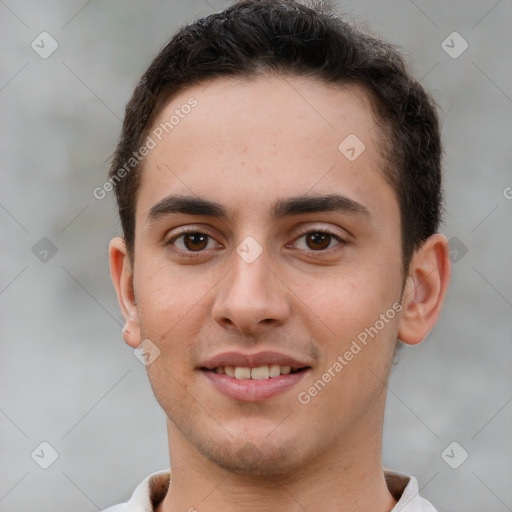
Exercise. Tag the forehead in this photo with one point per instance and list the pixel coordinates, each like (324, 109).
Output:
(262, 138)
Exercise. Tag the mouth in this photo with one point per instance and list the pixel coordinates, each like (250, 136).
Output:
(253, 377)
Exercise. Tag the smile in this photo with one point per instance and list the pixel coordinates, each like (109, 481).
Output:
(254, 384)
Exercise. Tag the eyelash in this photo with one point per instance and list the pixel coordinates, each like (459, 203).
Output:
(193, 254)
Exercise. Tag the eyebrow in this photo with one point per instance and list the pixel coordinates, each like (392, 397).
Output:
(188, 205)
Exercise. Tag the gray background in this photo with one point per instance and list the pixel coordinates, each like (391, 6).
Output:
(66, 376)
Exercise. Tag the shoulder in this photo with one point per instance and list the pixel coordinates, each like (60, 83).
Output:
(404, 488)
(146, 495)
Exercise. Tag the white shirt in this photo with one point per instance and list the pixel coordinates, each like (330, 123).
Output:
(153, 489)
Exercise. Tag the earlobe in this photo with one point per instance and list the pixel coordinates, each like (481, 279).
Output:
(122, 277)
(425, 289)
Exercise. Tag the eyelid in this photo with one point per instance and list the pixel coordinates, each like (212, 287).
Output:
(342, 241)
(187, 229)
(343, 237)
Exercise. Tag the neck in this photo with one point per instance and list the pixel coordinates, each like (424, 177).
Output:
(350, 475)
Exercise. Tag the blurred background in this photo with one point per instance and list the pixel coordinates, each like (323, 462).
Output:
(67, 379)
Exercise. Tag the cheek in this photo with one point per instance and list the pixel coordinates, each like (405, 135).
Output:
(356, 319)
(354, 371)
(169, 296)
(349, 299)
(171, 312)
(170, 315)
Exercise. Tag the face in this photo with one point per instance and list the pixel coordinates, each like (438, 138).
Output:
(239, 265)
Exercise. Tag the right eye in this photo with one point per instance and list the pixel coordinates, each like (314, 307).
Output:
(190, 241)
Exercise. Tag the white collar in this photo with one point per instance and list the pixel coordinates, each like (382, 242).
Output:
(153, 488)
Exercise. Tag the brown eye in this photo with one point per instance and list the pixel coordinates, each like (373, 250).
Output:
(195, 241)
(190, 242)
(318, 240)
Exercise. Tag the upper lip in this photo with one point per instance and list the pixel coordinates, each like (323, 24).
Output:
(266, 357)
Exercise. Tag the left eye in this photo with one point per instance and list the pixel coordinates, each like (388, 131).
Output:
(318, 240)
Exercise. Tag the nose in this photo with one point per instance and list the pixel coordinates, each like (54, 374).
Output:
(252, 297)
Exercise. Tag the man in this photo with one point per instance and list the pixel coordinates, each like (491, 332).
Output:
(279, 186)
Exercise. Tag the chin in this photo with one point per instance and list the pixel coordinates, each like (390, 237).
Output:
(250, 453)
(249, 459)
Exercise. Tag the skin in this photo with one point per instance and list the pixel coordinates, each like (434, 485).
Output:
(247, 144)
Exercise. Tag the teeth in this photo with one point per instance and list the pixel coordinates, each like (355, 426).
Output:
(258, 373)
(242, 372)
(274, 370)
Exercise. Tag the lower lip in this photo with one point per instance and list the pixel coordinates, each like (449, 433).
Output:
(250, 390)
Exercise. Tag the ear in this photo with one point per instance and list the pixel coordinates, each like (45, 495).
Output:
(425, 289)
(122, 276)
